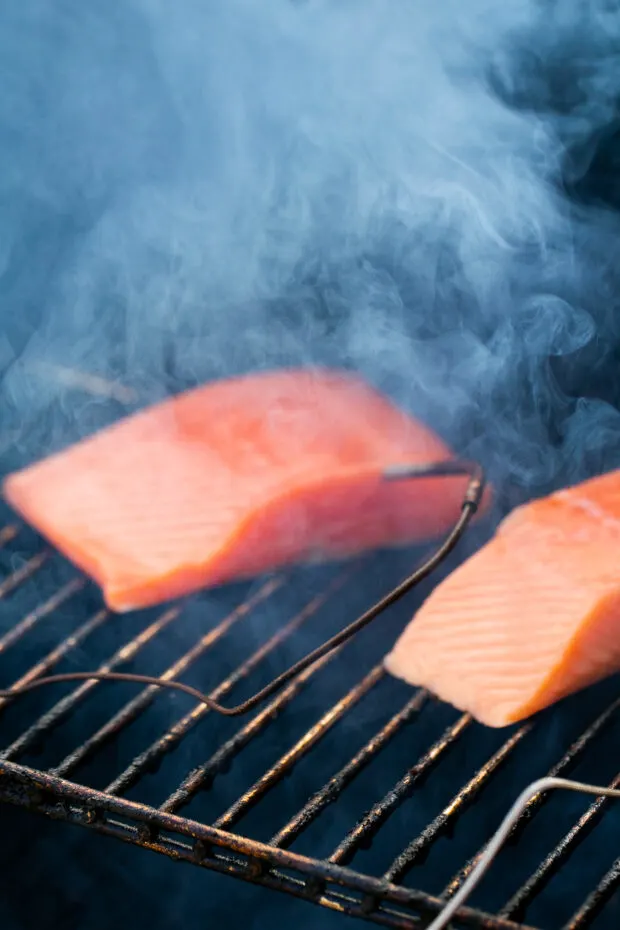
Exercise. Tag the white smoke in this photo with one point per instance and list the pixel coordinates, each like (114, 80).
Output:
(378, 183)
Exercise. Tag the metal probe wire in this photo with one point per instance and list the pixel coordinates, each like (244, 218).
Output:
(501, 835)
(471, 502)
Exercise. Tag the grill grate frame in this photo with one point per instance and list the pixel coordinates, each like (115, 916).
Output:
(60, 791)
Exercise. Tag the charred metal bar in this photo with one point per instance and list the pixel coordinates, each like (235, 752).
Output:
(53, 657)
(121, 818)
(23, 573)
(324, 882)
(503, 831)
(301, 747)
(570, 758)
(39, 613)
(203, 776)
(59, 712)
(365, 830)
(338, 782)
(596, 901)
(175, 734)
(556, 858)
(418, 849)
(132, 709)
(8, 533)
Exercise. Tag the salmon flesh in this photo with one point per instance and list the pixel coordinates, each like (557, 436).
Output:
(532, 617)
(233, 479)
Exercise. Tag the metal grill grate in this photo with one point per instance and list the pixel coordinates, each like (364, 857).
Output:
(391, 791)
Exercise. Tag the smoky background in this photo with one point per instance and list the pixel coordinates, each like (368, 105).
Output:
(418, 191)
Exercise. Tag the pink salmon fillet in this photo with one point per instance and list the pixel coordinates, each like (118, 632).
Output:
(532, 617)
(236, 478)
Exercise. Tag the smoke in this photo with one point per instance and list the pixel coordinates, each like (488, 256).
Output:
(423, 190)
(405, 188)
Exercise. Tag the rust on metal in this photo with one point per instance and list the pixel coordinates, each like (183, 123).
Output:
(365, 830)
(569, 759)
(132, 709)
(53, 657)
(119, 817)
(329, 883)
(419, 847)
(283, 766)
(558, 855)
(338, 782)
(596, 901)
(203, 776)
(59, 712)
(173, 736)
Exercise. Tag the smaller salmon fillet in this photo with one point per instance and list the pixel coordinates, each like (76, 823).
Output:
(233, 479)
(532, 617)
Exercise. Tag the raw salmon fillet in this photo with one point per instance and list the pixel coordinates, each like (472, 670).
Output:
(233, 479)
(533, 616)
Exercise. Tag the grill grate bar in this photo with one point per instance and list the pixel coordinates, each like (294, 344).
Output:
(301, 747)
(39, 613)
(53, 717)
(364, 831)
(568, 760)
(596, 901)
(418, 849)
(338, 782)
(548, 868)
(52, 658)
(166, 743)
(171, 738)
(203, 776)
(188, 840)
(23, 573)
(152, 828)
(132, 709)
(8, 533)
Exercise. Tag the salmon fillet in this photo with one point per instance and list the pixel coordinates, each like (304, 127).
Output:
(233, 479)
(533, 616)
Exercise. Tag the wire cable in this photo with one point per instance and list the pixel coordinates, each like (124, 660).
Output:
(501, 835)
(471, 502)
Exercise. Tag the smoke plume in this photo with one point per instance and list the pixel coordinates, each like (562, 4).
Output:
(404, 188)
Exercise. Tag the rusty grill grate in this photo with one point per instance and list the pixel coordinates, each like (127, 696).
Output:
(391, 791)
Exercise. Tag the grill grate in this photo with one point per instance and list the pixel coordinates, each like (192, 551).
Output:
(391, 792)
